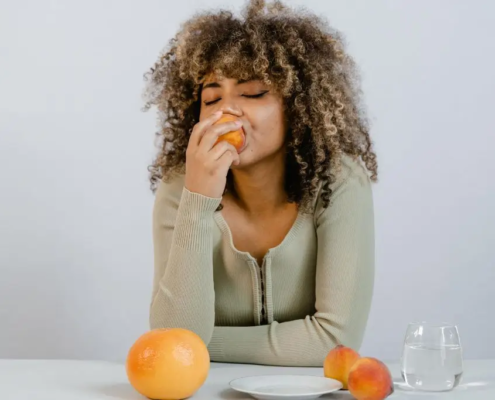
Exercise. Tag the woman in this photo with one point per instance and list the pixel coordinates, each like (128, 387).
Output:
(267, 254)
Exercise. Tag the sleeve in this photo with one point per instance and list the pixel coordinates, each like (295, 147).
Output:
(344, 288)
(183, 293)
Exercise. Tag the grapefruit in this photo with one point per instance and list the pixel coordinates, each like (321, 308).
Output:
(168, 364)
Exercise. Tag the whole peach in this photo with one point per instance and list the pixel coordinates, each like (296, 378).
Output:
(338, 363)
(370, 379)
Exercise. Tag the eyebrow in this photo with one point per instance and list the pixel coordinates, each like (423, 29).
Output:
(217, 85)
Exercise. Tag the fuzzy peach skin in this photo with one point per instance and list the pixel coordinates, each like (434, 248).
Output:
(338, 363)
(370, 379)
(235, 138)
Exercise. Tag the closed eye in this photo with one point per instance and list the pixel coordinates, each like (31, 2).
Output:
(255, 96)
(249, 96)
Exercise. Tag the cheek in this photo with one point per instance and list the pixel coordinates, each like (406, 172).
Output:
(269, 128)
(202, 113)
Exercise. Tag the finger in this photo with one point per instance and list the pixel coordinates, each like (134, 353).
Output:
(209, 139)
(220, 148)
(228, 158)
(201, 127)
(237, 159)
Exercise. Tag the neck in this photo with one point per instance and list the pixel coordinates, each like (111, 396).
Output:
(259, 189)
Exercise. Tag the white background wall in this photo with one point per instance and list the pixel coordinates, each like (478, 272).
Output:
(75, 210)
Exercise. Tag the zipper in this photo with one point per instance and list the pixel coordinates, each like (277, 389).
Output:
(263, 316)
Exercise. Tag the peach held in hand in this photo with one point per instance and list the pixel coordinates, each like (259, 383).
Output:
(235, 138)
(339, 362)
(370, 379)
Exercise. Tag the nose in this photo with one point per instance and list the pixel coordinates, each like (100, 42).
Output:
(228, 106)
(231, 110)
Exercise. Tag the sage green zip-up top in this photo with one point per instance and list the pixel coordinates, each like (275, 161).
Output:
(317, 283)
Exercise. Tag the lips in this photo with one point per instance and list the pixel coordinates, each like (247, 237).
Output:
(245, 141)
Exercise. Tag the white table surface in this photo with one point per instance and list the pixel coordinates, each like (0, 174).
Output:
(100, 380)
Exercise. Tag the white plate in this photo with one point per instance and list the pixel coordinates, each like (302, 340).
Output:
(285, 387)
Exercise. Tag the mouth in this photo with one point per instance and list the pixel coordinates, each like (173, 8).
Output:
(245, 142)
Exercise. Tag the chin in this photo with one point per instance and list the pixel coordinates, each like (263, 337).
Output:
(246, 160)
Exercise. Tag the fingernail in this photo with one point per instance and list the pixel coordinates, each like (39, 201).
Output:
(238, 123)
(219, 113)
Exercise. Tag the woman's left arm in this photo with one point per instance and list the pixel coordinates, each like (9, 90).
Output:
(344, 288)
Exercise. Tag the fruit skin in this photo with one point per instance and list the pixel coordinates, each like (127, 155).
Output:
(338, 363)
(236, 138)
(370, 379)
(168, 364)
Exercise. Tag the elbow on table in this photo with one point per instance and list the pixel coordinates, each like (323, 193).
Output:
(352, 341)
(157, 322)
(344, 334)
(326, 344)
(163, 320)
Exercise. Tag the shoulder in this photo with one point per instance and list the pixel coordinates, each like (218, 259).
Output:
(352, 179)
(352, 168)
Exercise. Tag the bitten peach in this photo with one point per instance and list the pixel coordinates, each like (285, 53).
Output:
(370, 379)
(236, 138)
(338, 363)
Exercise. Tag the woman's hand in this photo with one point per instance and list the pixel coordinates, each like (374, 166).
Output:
(207, 164)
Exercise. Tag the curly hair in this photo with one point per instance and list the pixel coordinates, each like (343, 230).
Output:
(293, 51)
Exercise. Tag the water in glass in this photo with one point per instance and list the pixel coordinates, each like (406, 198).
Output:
(432, 357)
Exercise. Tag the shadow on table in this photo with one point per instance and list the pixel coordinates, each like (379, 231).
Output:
(340, 395)
(120, 391)
(230, 394)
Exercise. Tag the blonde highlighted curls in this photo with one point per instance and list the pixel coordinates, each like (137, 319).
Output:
(294, 51)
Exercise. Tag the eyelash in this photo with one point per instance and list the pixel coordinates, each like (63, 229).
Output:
(254, 96)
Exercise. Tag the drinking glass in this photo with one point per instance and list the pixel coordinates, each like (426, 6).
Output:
(432, 357)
